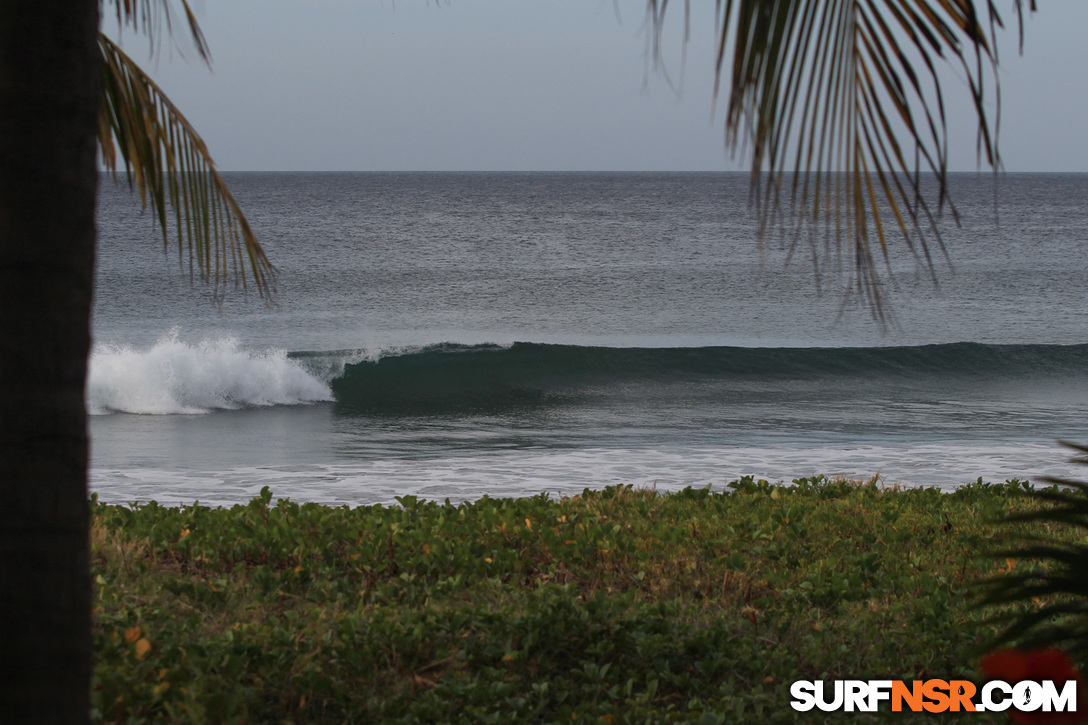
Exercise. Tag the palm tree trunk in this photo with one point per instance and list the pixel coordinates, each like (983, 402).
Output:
(48, 176)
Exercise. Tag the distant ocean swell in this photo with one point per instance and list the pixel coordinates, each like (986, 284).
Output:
(175, 377)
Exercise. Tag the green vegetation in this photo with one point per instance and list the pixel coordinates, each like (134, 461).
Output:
(614, 606)
(1054, 592)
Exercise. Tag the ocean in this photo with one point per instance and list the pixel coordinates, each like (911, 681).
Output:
(455, 335)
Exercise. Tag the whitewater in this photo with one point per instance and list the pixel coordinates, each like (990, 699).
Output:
(174, 377)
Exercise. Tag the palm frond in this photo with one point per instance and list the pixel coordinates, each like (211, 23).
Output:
(153, 18)
(843, 99)
(1045, 602)
(168, 163)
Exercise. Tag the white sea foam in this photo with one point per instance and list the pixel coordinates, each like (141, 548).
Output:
(559, 473)
(176, 377)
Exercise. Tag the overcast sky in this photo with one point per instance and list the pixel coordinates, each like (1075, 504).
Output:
(366, 85)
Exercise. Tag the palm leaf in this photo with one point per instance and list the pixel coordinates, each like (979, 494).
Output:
(1045, 603)
(842, 99)
(168, 163)
(152, 18)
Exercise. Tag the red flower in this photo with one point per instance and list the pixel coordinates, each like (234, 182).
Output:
(1016, 665)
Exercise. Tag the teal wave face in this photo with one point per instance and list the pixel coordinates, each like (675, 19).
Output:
(454, 378)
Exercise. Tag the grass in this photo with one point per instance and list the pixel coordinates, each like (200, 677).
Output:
(614, 606)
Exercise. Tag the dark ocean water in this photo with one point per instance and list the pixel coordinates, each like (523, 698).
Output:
(451, 335)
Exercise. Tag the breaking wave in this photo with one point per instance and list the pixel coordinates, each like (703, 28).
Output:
(451, 376)
(175, 377)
